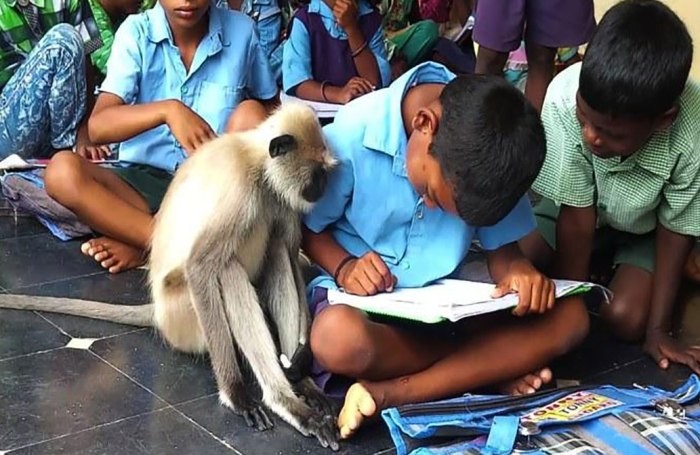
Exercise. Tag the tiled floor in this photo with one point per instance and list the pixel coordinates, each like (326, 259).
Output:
(76, 386)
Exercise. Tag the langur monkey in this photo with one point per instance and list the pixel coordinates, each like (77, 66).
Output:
(224, 261)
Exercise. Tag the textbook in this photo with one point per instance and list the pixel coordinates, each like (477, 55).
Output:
(449, 300)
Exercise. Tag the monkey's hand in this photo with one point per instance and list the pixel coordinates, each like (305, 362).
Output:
(315, 398)
(254, 414)
(299, 366)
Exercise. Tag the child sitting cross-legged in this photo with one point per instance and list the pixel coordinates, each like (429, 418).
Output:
(174, 77)
(426, 166)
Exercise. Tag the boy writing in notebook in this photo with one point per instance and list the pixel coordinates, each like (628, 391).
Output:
(174, 77)
(622, 171)
(425, 167)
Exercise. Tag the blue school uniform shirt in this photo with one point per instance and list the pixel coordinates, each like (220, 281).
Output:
(370, 205)
(145, 66)
(296, 57)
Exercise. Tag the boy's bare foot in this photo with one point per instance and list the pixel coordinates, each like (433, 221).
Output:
(527, 384)
(359, 406)
(113, 255)
(692, 266)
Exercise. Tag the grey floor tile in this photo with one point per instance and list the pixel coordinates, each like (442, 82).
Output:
(144, 356)
(282, 439)
(162, 432)
(24, 332)
(47, 395)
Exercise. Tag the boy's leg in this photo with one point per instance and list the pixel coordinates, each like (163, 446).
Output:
(628, 313)
(44, 102)
(498, 29)
(540, 71)
(551, 24)
(692, 265)
(247, 115)
(107, 204)
(397, 368)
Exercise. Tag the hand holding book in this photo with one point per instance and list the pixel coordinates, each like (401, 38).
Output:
(535, 291)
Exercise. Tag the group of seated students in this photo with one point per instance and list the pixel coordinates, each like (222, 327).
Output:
(426, 166)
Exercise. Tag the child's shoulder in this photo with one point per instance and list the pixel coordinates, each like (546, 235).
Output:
(561, 92)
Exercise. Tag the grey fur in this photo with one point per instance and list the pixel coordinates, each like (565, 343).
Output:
(224, 256)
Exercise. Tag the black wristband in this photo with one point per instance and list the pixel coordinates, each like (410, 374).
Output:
(340, 266)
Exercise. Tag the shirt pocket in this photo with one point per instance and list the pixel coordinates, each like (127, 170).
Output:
(216, 102)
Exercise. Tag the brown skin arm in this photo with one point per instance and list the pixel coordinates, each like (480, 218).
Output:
(323, 249)
(365, 62)
(575, 231)
(113, 121)
(235, 4)
(500, 260)
(671, 253)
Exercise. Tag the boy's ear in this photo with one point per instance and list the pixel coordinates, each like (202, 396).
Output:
(425, 120)
(667, 118)
(282, 145)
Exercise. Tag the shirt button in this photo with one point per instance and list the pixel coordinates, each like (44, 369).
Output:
(420, 214)
(406, 265)
(177, 144)
(602, 206)
(184, 90)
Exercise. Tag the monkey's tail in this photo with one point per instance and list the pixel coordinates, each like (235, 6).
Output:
(137, 315)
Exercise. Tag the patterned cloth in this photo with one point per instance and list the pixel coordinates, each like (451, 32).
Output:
(671, 436)
(660, 181)
(21, 28)
(44, 101)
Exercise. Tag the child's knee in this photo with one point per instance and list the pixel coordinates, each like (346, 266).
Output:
(247, 115)
(573, 324)
(339, 341)
(62, 176)
(66, 38)
(626, 319)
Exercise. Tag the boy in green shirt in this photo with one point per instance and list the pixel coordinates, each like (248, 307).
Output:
(622, 171)
(46, 84)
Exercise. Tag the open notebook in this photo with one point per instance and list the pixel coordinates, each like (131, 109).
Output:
(448, 300)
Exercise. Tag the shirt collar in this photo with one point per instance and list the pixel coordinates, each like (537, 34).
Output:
(38, 3)
(159, 28)
(320, 7)
(389, 136)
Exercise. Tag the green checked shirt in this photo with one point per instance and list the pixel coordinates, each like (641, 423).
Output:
(659, 182)
(18, 37)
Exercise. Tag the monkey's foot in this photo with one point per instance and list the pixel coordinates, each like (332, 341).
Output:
(315, 398)
(692, 266)
(527, 384)
(113, 255)
(323, 428)
(359, 405)
(254, 414)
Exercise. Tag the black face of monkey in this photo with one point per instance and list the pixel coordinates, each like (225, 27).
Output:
(314, 190)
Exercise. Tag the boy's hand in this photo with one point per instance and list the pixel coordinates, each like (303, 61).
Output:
(345, 12)
(87, 149)
(190, 130)
(535, 291)
(367, 275)
(357, 86)
(664, 350)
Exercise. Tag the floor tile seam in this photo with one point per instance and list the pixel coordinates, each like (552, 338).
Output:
(32, 353)
(38, 313)
(84, 430)
(123, 373)
(14, 237)
(204, 429)
(14, 290)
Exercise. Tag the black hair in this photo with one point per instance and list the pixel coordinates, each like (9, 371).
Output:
(490, 144)
(637, 62)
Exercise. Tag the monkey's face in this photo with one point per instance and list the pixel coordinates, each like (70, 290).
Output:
(300, 158)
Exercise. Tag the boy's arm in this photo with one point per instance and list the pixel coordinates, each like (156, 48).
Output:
(671, 252)
(678, 216)
(367, 275)
(509, 268)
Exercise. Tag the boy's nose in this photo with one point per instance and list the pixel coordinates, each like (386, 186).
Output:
(591, 137)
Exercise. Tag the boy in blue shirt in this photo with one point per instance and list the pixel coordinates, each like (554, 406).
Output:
(335, 52)
(425, 167)
(174, 77)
